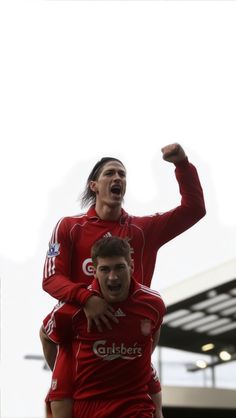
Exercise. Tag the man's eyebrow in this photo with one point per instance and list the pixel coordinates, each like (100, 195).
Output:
(113, 266)
(121, 170)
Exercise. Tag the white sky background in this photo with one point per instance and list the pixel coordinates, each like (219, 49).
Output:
(80, 80)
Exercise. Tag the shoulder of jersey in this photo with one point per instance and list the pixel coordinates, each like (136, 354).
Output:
(150, 296)
(78, 216)
(74, 219)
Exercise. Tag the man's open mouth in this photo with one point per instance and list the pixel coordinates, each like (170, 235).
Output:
(114, 287)
(116, 189)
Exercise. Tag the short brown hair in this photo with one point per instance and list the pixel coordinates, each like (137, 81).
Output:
(111, 247)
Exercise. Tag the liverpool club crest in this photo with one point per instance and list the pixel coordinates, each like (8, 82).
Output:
(146, 326)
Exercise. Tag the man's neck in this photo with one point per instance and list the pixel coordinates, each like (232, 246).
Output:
(107, 213)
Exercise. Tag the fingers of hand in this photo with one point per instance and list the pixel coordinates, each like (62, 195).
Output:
(112, 317)
(89, 325)
(110, 308)
(98, 324)
(106, 321)
(102, 320)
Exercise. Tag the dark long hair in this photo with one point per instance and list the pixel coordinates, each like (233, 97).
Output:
(88, 197)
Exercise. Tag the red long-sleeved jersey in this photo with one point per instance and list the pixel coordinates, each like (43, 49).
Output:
(116, 363)
(68, 267)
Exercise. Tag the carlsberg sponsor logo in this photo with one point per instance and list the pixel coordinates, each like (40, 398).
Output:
(114, 351)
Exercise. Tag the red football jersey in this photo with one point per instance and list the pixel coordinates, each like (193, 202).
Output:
(116, 362)
(68, 268)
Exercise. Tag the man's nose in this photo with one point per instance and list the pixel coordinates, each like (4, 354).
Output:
(117, 175)
(112, 275)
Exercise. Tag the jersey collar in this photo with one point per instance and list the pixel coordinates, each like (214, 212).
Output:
(92, 214)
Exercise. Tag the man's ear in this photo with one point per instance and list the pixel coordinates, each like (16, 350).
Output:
(132, 266)
(93, 186)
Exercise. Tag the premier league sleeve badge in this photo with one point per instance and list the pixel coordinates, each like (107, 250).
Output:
(53, 250)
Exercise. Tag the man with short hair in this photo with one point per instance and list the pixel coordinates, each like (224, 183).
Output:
(112, 368)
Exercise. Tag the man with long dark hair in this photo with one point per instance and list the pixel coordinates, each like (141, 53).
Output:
(68, 268)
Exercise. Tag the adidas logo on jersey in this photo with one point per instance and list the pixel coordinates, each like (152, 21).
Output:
(108, 234)
(119, 312)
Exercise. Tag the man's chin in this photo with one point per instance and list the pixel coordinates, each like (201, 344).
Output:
(113, 203)
(116, 198)
(114, 297)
